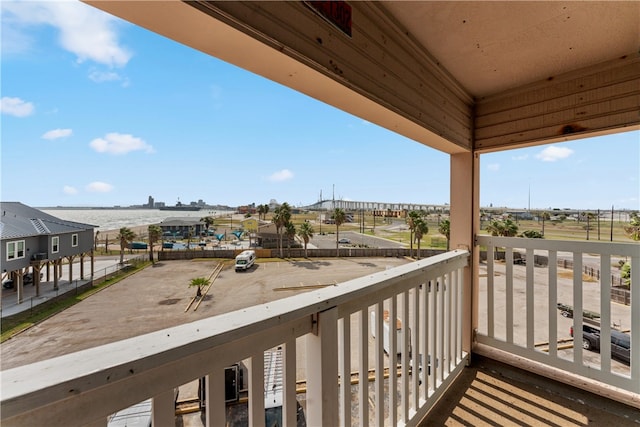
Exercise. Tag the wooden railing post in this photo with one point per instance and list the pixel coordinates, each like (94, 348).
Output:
(322, 371)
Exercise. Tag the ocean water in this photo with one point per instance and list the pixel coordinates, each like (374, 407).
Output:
(114, 219)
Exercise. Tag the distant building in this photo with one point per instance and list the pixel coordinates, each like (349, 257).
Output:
(180, 227)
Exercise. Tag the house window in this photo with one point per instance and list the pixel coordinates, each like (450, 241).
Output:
(55, 244)
(15, 250)
(74, 240)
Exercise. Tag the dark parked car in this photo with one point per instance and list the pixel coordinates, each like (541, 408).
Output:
(26, 279)
(620, 342)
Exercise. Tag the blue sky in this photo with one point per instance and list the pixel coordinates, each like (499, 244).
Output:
(98, 112)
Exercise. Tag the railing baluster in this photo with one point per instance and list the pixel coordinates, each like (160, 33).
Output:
(577, 308)
(215, 413)
(635, 321)
(605, 313)
(440, 362)
(490, 291)
(459, 305)
(379, 361)
(530, 300)
(424, 343)
(290, 407)
(415, 348)
(363, 367)
(344, 360)
(509, 293)
(163, 413)
(256, 389)
(553, 304)
(393, 365)
(448, 326)
(433, 327)
(404, 346)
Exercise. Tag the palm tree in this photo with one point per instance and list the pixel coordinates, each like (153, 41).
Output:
(96, 240)
(445, 229)
(306, 233)
(412, 217)
(339, 217)
(290, 231)
(281, 216)
(421, 229)
(155, 234)
(510, 228)
(199, 282)
(208, 221)
(125, 237)
(495, 227)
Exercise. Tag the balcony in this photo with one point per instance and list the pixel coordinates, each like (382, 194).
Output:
(326, 338)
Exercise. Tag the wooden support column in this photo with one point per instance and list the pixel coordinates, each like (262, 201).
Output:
(82, 266)
(465, 212)
(57, 264)
(70, 260)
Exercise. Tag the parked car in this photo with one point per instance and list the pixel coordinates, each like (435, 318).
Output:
(26, 279)
(620, 342)
(344, 240)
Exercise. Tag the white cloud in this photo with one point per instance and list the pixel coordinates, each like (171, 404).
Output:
(16, 107)
(493, 167)
(521, 157)
(553, 153)
(104, 76)
(67, 189)
(117, 143)
(57, 133)
(99, 187)
(283, 175)
(86, 32)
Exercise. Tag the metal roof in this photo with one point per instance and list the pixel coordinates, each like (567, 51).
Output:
(18, 220)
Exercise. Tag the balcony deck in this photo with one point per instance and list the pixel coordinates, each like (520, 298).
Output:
(490, 392)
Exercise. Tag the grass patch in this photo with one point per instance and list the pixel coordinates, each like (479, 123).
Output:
(569, 275)
(23, 321)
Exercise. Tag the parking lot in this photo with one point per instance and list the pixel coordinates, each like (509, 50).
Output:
(156, 297)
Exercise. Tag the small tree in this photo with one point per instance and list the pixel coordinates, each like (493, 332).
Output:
(306, 233)
(199, 283)
(532, 234)
(125, 237)
(633, 229)
(155, 234)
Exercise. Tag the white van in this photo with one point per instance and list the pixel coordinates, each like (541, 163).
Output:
(245, 260)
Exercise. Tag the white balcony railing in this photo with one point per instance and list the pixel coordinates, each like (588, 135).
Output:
(329, 327)
(519, 296)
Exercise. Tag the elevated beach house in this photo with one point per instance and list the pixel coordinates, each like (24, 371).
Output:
(35, 242)
(465, 78)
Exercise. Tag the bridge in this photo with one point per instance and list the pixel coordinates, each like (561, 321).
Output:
(352, 205)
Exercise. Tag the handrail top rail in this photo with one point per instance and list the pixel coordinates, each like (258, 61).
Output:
(153, 350)
(599, 247)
